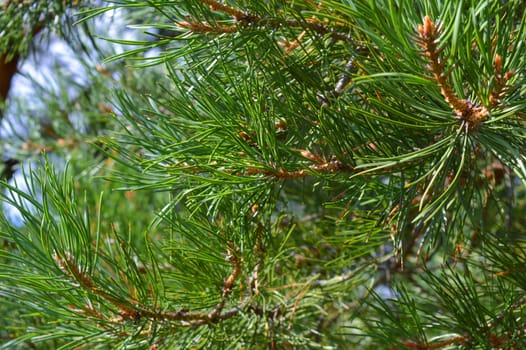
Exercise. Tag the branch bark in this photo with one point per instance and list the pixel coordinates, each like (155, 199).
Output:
(8, 69)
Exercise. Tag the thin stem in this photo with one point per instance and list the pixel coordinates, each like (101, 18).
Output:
(245, 19)
(132, 310)
(465, 110)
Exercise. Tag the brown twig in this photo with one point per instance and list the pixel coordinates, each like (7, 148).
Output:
(206, 27)
(131, 309)
(244, 19)
(455, 340)
(332, 166)
(218, 6)
(68, 265)
(465, 110)
(8, 68)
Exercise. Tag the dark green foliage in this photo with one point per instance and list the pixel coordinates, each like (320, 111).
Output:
(280, 174)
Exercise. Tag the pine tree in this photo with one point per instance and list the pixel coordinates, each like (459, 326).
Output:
(265, 174)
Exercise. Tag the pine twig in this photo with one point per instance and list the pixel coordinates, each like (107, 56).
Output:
(465, 110)
(206, 27)
(217, 6)
(133, 310)
(332, 166)
(244, 19)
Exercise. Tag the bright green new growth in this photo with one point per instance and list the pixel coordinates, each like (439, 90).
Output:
(280, 174)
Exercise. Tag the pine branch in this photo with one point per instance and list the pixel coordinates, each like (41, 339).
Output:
(333, 166)
(217, 6)
(239, 211)
(246, 20)
(465, 110)
(131, 309)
